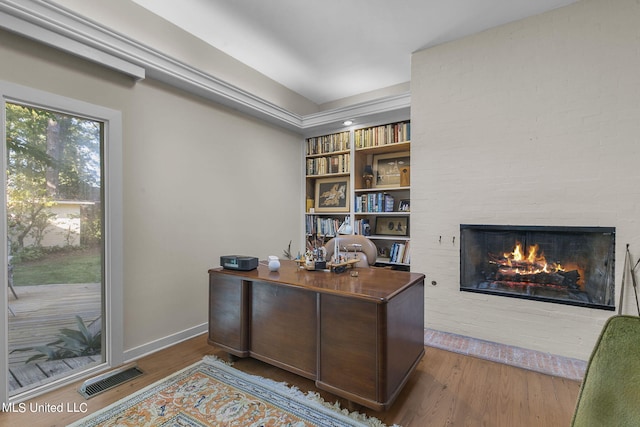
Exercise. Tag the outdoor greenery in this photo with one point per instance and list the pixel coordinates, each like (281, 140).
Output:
(70, 343)
(70, 265)
(51, 156)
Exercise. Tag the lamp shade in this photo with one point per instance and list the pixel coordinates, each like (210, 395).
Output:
(345, 228)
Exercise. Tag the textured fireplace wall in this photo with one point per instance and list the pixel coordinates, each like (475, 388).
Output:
(532, 123)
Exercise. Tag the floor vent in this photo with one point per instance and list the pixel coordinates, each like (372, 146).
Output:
(104, 382)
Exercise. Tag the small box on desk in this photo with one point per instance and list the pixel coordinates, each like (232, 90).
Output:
(239, 262)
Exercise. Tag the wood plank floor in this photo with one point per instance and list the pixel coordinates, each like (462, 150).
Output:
(37, 317)
(41, 311)
(447, 389)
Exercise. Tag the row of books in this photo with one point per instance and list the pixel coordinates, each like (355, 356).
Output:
(326, 165)
(400, 253)
(374, 202)
(322, 226)
(329, 143)
(382, 135)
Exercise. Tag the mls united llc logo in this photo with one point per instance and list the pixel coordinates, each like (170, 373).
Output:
(35, 407)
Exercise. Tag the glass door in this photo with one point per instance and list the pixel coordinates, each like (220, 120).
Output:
(55, 245)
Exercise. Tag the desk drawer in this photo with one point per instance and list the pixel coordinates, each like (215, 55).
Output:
(283, 327)
(350, 351)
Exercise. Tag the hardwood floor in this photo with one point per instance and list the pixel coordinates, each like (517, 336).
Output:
(447, 389)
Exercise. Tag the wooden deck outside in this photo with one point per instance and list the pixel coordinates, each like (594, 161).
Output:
(36, 317)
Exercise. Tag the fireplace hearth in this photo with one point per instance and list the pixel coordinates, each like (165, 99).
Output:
(565, 265)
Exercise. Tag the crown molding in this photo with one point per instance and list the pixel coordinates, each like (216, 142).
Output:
(58, 27)
(55, 26)
(390, 108)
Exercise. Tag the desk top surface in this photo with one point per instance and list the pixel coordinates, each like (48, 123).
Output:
(380, 284)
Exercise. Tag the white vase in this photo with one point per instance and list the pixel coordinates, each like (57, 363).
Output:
(274, 263)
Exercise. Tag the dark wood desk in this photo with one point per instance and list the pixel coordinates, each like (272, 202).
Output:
(357, 337)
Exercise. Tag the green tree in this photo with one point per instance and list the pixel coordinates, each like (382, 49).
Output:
(28, 201)
(28, 212)
(50, 156)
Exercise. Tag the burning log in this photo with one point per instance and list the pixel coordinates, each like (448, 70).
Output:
(511, 263)
(540, 278)
(531, 270)
(571, 278)
(559, 278)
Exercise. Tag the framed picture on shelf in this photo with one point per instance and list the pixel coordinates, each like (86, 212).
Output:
(404, 206)
(391, 169)
(332, 194)
(392, 225)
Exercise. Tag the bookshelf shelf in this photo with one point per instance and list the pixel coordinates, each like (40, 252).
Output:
(389, 262)
(333, 153)
(327, 175)
(392, 213)
(388, 148)
(375, 190)
(394, 238)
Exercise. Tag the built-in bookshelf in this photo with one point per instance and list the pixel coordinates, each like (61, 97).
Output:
(362, 176)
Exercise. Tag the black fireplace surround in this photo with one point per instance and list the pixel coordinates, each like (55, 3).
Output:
(565, 265)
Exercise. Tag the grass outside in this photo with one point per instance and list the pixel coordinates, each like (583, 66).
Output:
(75, 266)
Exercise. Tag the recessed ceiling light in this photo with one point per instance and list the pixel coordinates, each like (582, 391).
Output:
(347, 122)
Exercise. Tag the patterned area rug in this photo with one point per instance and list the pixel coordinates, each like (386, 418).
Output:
(212, 393)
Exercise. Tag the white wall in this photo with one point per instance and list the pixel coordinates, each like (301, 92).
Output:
(200, 181)
(533, 123)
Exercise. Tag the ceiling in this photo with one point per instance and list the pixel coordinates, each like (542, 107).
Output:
(331, 49)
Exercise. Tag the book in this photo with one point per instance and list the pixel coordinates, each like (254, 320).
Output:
(388, 203)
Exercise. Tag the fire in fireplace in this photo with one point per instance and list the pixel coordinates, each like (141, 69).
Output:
(568, 265)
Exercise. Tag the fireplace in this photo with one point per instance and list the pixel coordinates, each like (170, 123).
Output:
(566, 265)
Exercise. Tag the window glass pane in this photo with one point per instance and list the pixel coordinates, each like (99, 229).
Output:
(55, 245)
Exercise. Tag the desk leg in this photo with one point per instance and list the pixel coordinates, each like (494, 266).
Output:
(354, 407)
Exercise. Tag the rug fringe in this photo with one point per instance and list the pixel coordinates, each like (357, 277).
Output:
(310, 395)
(358, 416)
(213, 358)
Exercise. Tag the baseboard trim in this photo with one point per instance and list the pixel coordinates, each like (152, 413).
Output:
(538, 361)
(162, 343)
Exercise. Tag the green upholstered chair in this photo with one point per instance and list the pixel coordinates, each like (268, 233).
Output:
(610, 391)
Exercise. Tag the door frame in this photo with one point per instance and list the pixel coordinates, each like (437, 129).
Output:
(113, 231)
